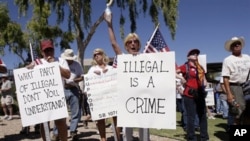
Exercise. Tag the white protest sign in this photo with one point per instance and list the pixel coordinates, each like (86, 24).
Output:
(210, 97)
(40, 94)
(203, 61)
(146, 90)
(102, 94)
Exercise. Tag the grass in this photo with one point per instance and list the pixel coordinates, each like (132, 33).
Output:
(216, 130)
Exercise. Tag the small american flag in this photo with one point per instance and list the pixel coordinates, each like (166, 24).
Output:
(34, 55)
(157, 43)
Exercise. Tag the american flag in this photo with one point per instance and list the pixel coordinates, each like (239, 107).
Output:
(157, 43)
(34, 55)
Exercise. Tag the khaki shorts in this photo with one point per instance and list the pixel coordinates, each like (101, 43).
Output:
(8, 100)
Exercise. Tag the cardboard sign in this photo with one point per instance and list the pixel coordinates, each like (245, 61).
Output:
(40, 94)
(146, 90)
(102, 94)
(210, 97)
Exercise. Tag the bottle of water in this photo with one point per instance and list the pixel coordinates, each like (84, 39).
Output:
(108, 13)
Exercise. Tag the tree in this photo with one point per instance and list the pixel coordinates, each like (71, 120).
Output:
(79, 13)
(11, 34)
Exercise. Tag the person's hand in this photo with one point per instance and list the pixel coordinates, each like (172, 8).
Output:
(50, 59)
(230, 98)
(105, 70)
(107, 18)
(183, 80)
(97, 72)
(68, 81)
(31, 65)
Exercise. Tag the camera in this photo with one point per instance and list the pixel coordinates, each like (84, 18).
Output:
(193, 92)
(235, 108)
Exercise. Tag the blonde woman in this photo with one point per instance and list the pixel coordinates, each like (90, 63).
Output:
(132, 45)
(99, 67)
(100, 62)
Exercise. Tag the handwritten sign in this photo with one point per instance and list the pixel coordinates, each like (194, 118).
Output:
(146, 90)
(40, 94)
(102, 94)
(210, 97)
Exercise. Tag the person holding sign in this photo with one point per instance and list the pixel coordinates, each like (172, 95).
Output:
(194, 94)
(99, 67)
(47, 51)
(132, 45)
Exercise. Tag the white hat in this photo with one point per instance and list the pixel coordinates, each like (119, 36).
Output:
(232, 40)
(68, 54)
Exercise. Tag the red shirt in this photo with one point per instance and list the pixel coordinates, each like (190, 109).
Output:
(191, 78)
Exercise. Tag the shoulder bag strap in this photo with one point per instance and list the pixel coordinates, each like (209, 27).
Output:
(248, 74)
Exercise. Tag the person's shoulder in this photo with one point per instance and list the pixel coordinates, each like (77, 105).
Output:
(183, 65)
(246, 55)
(230, 57)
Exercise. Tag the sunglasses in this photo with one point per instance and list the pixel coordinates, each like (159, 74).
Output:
(133, 41)
(97, 54)
(48, 50)
(235, 44)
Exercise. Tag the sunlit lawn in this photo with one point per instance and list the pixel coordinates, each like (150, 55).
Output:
(216, 130)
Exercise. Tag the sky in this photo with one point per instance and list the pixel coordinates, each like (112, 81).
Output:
(202, 24)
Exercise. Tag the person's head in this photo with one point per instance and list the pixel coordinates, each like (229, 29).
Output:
(235, 44)
(99, 57)
(47, 48)
(132, 43)
(193, 54)
(4, 77)
(68, 55)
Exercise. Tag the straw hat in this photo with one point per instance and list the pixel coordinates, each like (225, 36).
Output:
(68, 54)
(232, 40)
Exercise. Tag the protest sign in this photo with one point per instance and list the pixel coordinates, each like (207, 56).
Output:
(210, 97)
(102, 94)
(40, 94)
(146, 90)
(202, 58)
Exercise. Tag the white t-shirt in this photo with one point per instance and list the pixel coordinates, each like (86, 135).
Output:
(6, 85)
(236, 68)
(98, 68)
(75, 71)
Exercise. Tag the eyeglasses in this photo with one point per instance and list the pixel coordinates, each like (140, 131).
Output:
(99, 53)
(133, 41)
(235, 44)
(48, 50)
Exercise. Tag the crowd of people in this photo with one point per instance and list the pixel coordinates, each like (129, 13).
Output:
(191, 86)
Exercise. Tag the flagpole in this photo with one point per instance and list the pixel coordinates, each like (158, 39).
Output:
(31, 52)
(45, 124)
